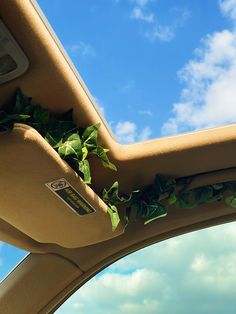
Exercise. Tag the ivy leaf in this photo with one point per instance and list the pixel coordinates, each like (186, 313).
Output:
(150, 193)
(19, 117)
(162, 185)
(131, 198)
(54, 140)
(114, 216)
(90, 135)
(141, 210)
(183, 201)
(170, 184)
(62, 126)
(204, 194)
(127, 215)
(7, 120)
(6, 123)
(156, 211)
(40, 119)
(22, 104)
(84, 152)
(217, 197)
(158, 184)
(85, 169)
(61, 129)
(41, 115)
(71, 147)
(231, 201)
(172, 198)
(111, 196)
(102, 154)
(218, 186)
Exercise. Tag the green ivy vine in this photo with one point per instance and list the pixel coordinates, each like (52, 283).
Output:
(152, 202)
(77, 145)
(74, 144)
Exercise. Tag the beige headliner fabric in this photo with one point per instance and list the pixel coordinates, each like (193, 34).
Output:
(27, 290)
(27, 162)
(179, 156)
(175, 156)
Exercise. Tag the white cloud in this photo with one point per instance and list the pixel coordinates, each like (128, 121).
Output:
(214, 271)
(144, 306)
(157, 31)
(167, 32)
(126, 132)
(129, 285)
(145, 134)
(208, 97)
(142, 3)
(138, 14)
(119, 293)
(163, 33)
(81, 49)
(199, 263)
(228, 7)
(193, 273)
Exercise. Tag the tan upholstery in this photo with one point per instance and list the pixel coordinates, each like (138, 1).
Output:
(26, 279)
(28, 162)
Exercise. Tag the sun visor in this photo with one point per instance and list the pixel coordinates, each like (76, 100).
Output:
(44, 198)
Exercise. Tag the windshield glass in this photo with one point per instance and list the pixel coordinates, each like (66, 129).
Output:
(193, 273)
(155, 68)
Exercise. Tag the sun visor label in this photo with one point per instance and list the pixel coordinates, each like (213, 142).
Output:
(70, 196)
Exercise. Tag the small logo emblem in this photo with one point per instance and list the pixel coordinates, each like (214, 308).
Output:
(59, 184)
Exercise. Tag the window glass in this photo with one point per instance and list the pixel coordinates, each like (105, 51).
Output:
(193, 273)
(155, 68)
(10, 256)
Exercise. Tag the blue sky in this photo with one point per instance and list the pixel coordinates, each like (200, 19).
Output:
(155, 68)
(9, 258)
(144, 61)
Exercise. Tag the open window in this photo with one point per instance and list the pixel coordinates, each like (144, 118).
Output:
(193, 273)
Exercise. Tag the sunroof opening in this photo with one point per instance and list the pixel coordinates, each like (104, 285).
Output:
(155, 68)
